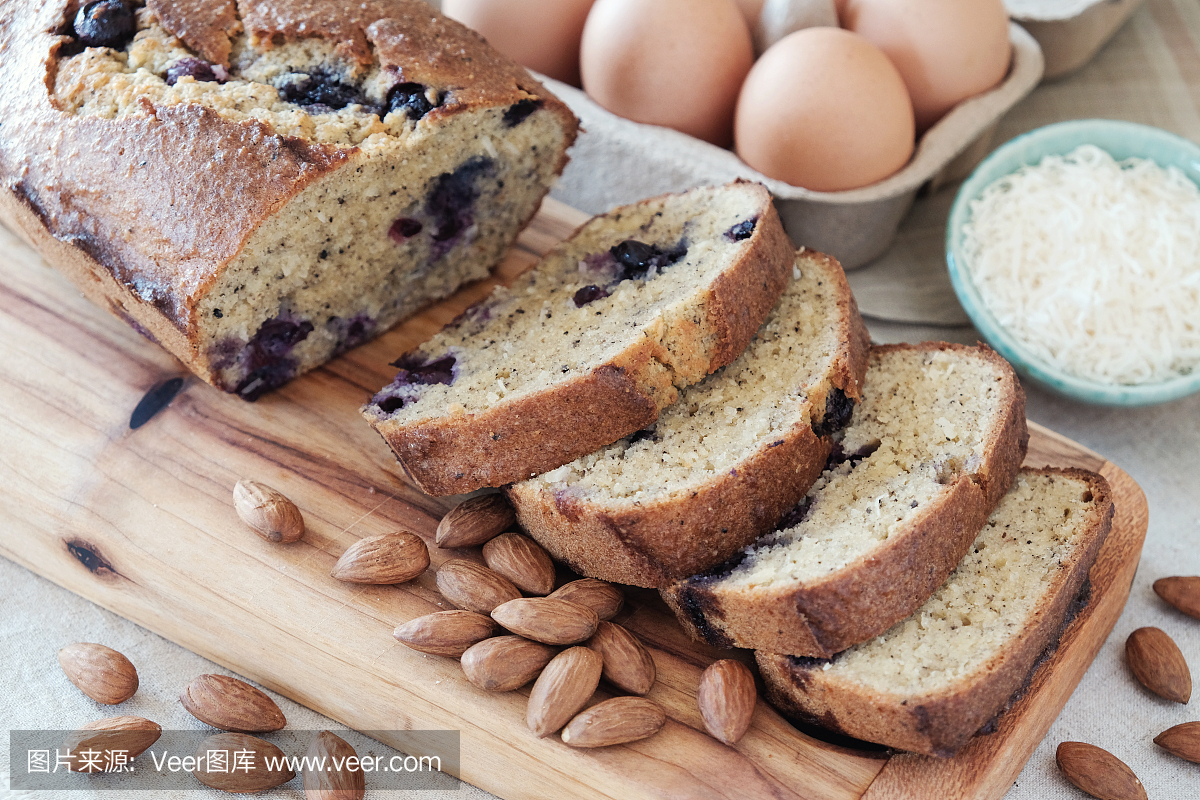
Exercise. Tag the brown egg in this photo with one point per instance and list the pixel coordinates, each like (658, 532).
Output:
(946, 50)
(824, 109)
(542, 35)
(677, 63)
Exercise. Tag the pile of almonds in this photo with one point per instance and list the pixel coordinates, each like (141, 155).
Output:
(1159, 665)
(563, 640)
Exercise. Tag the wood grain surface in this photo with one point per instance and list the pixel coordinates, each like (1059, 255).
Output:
(142, 523)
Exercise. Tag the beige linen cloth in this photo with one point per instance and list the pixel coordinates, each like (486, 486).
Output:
(1150, 73)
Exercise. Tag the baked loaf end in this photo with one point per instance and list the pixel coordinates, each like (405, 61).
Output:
(591, 344)
(723, 463)
(933, 446)
(933, 680)
(259, 187)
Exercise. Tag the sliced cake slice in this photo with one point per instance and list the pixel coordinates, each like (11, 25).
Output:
(932, 681)
(721, 465)
(932, 447)
(591, 344)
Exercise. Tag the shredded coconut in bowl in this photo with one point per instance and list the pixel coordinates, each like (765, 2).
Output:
(1093, 265)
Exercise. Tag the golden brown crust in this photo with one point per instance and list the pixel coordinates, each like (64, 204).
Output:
(854, 367)
(523, 437)
(652, 544)
(279, 21)
(736, 308)
(940, 723)
(205, 26)
(93, 280)
(146, 212)
(161, 237)
(440, 52)
(867, 596)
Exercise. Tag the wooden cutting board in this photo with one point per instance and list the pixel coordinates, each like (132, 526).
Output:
(141, 522)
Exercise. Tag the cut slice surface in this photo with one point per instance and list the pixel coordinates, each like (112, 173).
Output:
(591, 344)
(936, 441)
(722, 464)
(931, 681)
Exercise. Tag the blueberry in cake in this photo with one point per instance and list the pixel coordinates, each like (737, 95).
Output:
(260, 186)
(591, 344)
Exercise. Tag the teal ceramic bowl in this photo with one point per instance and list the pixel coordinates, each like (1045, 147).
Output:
(1122, 140)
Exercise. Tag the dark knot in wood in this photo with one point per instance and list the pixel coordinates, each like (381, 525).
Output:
(87, 554)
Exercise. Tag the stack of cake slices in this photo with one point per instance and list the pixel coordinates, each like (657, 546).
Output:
(675, 398)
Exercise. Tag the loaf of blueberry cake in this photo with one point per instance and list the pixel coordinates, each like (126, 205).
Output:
(260, 186)
(935, 442)
(932, 681)
(723, 463)
(591, 344)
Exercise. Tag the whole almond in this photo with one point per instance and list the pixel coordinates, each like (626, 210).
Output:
(386, 558)
(267, 512)
(504, 663)
(94, 747)
(1157, 662)
(332, 783)
(1181, 592)
(231, 705)
(727, 697)
(547, 620)
(245, 764)
(615, 721)
(1098, 772)
(475, 521)
(473, 587)
(628, 665)
(100, 672)
(1182, 740)
(563, 688)
(522, 561)
(445, 633)
(602, 597)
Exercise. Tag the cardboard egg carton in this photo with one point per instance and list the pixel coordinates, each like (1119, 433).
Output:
(1070, 31)
(618, 161)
